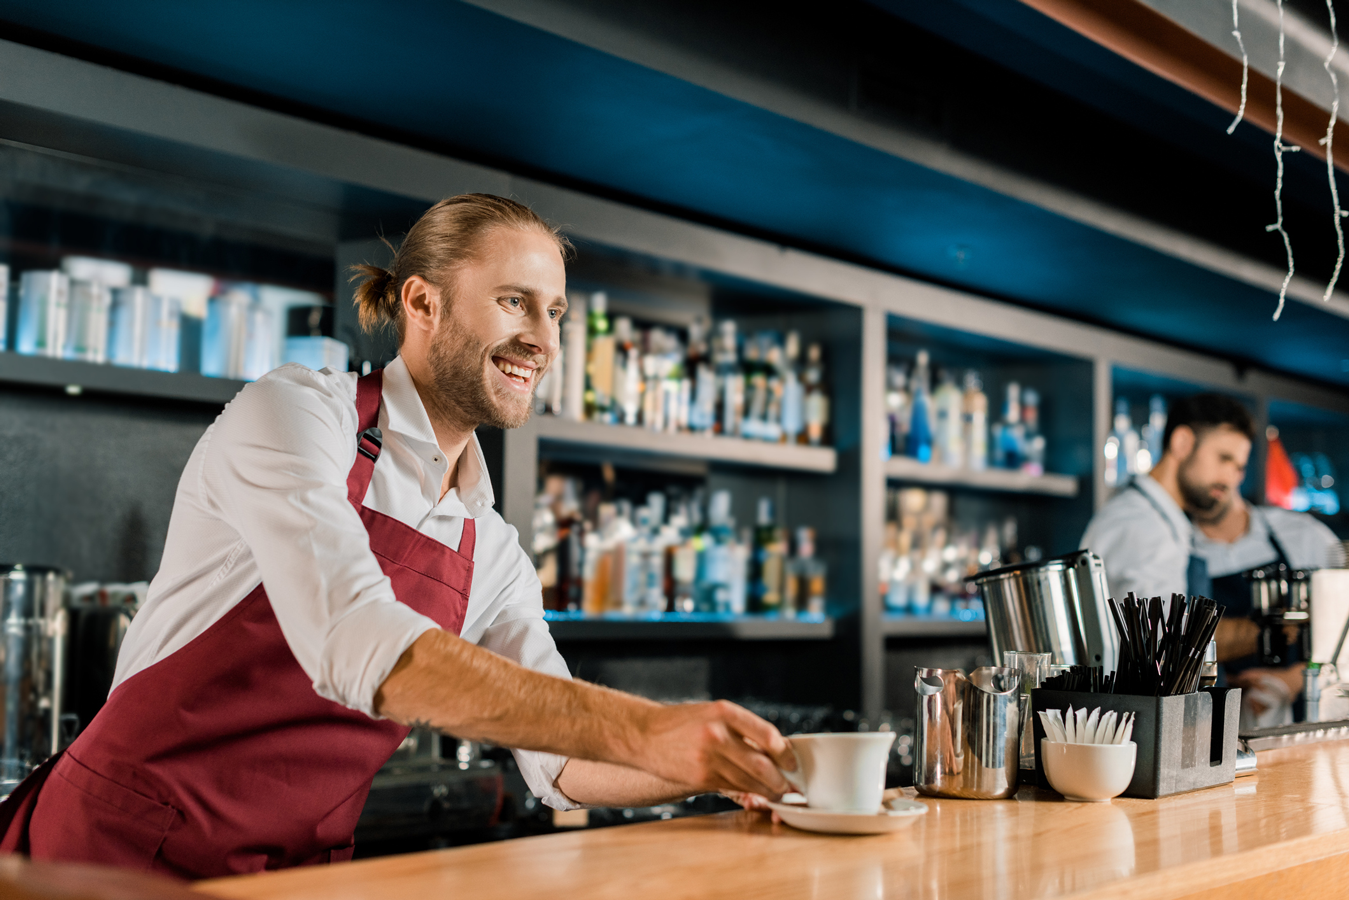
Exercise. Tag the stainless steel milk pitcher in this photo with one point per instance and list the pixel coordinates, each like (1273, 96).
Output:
(967, 733)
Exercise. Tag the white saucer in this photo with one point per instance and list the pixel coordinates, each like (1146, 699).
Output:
(892, 816)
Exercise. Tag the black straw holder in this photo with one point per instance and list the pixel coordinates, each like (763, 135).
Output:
(1182, 745)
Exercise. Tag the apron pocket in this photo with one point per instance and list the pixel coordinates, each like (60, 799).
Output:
(87, 817)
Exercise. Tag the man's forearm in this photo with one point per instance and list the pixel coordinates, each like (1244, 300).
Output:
(1236, 638)
(448, 684)
(605, 784)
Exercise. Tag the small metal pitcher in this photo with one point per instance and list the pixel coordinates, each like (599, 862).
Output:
(967, 733)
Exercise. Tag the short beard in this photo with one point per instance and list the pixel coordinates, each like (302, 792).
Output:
(460, 391)
(1199, 498)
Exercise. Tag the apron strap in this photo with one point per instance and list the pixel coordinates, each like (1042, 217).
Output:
(466, 540)
(369, 390)
(1273, 538)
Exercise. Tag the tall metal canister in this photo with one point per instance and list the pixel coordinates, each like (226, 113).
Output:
(32, 668)
(1053, 606)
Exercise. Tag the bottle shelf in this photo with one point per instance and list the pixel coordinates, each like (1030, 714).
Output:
(77, 377)
(910, 625)
(637, 441)
(903, 468)
(687, 626)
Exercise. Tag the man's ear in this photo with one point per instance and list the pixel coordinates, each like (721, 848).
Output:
(1183, 441)
(421, 305)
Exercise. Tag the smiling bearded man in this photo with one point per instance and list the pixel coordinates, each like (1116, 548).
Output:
(334, 573)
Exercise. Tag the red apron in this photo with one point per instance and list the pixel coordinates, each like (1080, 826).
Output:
(221, 758)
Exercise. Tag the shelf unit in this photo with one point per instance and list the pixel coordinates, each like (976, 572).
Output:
(322, 185)
(75, 378)
(687, 627)
(636, 442)
(904, 625)
(910, 471)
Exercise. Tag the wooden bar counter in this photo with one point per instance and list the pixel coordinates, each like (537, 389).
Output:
(1281, 833)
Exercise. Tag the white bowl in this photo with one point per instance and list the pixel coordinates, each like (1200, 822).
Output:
(1094, 772)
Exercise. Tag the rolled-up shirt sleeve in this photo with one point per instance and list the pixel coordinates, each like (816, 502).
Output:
(519, 632)
(286, 496)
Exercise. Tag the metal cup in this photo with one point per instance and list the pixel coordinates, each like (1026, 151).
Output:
(967, 737)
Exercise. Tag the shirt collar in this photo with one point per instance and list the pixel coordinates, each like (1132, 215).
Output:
(1166, 504)
(405, 415)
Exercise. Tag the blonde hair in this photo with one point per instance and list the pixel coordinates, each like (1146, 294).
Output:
(447, 236)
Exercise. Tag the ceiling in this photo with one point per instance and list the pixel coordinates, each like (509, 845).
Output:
(465, 80)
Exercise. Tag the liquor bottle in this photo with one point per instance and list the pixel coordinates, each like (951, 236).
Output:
(793, 392)
(755, 374)
(975, 409)
(703, 403)
(918, 442)
(716, 559)
(737, 588)
(544, 547)
(896, 410)
(1121, 448)
(767, 559)
(653, 401)
(684, 557)
(811, 576)
(816, 400)
(674, 395)
(949, 439)
(1010, 449)
(1152, 434)
(600, 361)
(574, 358)
(1034, 461)
(570, 550)
(730, 382)
(627, 374)
(775, 373)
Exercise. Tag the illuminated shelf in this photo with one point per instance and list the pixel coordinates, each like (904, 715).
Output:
(687, 626)
(631, 440)
(906, 469)
(78, 377)
(908, 625)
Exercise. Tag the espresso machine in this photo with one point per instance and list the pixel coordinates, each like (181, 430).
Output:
(32, 669)
(1281, 604)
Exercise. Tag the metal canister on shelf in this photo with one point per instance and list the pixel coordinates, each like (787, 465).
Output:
(87, 331)
(32, 668)
(44, 312)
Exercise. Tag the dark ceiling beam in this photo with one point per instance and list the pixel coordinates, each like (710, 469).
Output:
(1149, 39)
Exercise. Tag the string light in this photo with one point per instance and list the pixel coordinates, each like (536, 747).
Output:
(1279, 148)
(1329, 142)
(1245, 64)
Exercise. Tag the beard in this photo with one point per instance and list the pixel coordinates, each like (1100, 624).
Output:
(1199, 498)
(465, 392)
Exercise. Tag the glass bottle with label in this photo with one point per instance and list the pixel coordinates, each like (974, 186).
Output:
(918, 442)
(599, 361)
(816, 400)
(949, 440)
(975, 410)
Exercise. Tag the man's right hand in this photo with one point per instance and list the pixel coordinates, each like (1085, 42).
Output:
(715, 747)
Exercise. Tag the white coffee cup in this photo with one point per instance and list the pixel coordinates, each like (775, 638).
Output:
(841, 772)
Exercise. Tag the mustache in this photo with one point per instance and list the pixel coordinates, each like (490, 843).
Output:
(518, 351)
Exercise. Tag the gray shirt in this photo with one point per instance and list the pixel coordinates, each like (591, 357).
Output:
(1308, 543)
(1144, 539)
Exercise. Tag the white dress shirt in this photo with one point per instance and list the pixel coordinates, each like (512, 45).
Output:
(1145, 550)
(1308, 543)
(264, 499)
